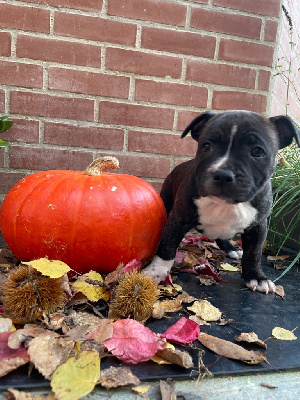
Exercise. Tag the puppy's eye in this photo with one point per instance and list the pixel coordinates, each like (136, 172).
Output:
(206, 147)
(257, 152)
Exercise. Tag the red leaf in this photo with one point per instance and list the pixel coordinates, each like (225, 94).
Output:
(180, 256)
(10, 358)
(167, 281)
(183, 331)
(208, 269)
(191, 239)
(132, 342)
(132, 266)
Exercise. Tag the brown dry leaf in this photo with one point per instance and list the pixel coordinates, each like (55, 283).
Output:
(225, 321)
(114, 377)
(205, 310)
(157, 311)
(230, 350)
(171, 305)
(55, 351)
(175, 356)
(27, 396)
(79, 333)
(184, 297)
(198, 320)
(279, 290)
(190, 259)
(207, 280)
(10, 364)
(103, 332)
(167, 389)
(278, 258)
(7, 259)
(250, 337)
(55, 322)
(113, 277)
(28, 332)
(74, 319)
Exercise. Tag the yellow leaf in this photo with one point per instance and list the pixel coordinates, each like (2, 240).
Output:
(141, 389)
(283, 334)
(93, 275)
(159, 360)
(205, 310)
(76, 377)
(93, 293)
(228, 267)
(53, 269)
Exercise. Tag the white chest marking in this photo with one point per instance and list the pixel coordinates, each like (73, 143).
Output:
(220, 220)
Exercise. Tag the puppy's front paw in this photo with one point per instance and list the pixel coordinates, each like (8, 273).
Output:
(158, 269)
(236, 254)
(264, 286)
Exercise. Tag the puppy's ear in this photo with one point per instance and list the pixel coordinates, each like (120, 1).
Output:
(197, 125)
(286, 130)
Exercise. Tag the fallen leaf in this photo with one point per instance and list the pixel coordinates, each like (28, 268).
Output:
(55, 351)
(11, 359)
(228, 267)
(167, 389)
(77, 377)
(230, 350)
(115, 377)
(279, 290)
(157, 311)
(250, 337)
(88, 284)
(28, 332)
(184, 297)
(283, 334)
(171, 355)
(74, 319)
(133, 265)
(206, 280)
(132, 342)
(183, 331)
(53, 269)
(103, 332)
(171, 305)
(225, 321)
(20, 395)
(205, 310)
(141, 389)
(278, 258)
(198, 320)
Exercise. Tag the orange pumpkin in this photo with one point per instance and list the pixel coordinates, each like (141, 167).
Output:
(91, 220)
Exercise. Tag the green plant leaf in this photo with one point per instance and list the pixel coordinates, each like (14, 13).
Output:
(2, 143)
(5, 124)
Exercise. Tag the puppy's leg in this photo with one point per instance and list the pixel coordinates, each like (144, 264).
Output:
(228, 248)
(253, 239)
(166, 251)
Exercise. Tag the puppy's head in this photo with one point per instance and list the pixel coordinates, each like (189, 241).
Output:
(236, 152)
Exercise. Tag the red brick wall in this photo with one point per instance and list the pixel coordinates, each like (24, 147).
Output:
(85, 78)
(286, 87)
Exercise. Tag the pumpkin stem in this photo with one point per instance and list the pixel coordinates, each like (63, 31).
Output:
(98, 165)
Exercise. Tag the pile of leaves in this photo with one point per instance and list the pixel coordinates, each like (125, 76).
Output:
(63, 323)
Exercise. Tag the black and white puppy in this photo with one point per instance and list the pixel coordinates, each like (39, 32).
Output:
(225, 189)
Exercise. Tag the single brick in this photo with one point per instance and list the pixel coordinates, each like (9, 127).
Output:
(170, 93)
(5, 44)
(232, 24)
(135, 115)
(23, 130)
(44, 105)
(264, 80)
(271, 31)
(148, 10)
(2, 150)
(137, 62)
(149, 167)
(86, 5)
(42, 159)
(83, 136)
(60, 51)
(17, 74)
(226, 100)
(160, 143)
(246, 52)
(94, 28)
(265, 7)
(89, 83)
(178, 42)
(220, 74)
(26, 18)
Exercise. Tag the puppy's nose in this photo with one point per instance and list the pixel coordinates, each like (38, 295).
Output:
(222, 176)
